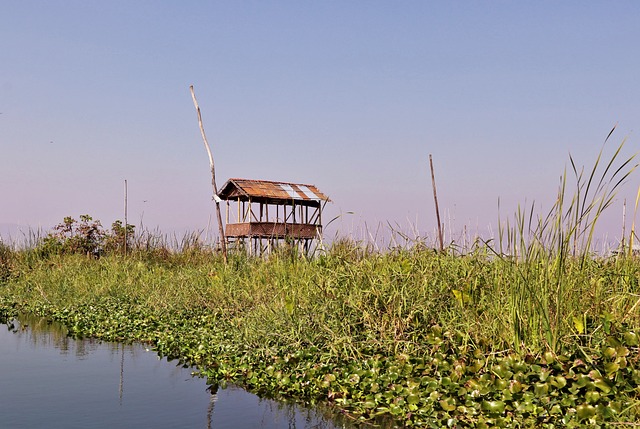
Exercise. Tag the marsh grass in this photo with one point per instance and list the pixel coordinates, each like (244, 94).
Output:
(351, 295)
(551, 259)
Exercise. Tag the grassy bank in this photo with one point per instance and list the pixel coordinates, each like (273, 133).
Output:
(425, 338)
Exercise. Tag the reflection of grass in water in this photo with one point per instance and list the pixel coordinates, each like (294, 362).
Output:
(43, 332)
(281, 410)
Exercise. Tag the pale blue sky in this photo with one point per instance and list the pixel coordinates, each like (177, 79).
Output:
(349, 96)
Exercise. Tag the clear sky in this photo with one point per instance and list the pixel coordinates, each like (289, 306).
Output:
(349, 96)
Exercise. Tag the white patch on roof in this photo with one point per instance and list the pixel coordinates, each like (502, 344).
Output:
(289, 190)
(308, 192)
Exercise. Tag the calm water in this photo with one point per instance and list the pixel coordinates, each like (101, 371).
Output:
(48, 380)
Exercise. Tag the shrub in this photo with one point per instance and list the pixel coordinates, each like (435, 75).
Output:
(71, 236)
(115, 241)
(5, 262)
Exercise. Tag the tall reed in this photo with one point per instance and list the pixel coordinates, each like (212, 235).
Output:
(547, 256)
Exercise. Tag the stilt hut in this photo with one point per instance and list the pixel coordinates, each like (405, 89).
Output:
(267, 213)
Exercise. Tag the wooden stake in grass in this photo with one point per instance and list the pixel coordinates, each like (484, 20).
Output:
(624, 221)
(435, 198)
(223, 241)
(633, 224)
(125, 217)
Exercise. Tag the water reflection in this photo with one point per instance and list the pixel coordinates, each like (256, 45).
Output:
(49, 380)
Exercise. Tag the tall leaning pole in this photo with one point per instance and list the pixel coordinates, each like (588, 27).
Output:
(435, 199)
(223, 240)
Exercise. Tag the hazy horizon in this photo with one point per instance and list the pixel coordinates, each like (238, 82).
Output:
(351, 97)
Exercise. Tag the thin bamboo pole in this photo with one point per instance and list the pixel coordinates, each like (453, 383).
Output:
(223, 240)
(125, 217)
(435, 198)
(633, 224)
(624, 220)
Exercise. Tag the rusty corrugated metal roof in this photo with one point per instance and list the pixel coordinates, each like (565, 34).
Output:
(271, 191)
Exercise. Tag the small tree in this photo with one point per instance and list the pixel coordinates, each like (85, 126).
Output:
(71, 236)
(115, 241)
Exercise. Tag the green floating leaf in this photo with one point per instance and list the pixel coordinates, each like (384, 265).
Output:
(630, 339)
(413, 399)
(585, 411)
(611, 367)
(592, 397)
(603, 386)
(609, 353)
(494, 407)
(448, 404)
(558, 382)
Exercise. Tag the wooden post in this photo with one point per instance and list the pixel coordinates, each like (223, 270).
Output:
(624, 220)
(435, 198)
(125, 217)
(223, 240)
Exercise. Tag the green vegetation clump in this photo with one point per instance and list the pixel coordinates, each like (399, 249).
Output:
(5, 262)
(86, 237)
